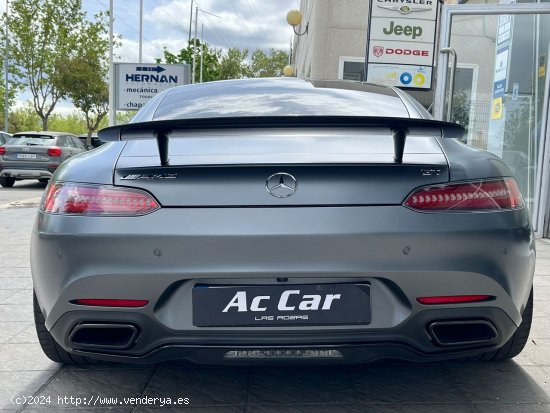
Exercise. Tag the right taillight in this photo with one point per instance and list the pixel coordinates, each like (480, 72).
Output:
(83, 199)
(480, 195)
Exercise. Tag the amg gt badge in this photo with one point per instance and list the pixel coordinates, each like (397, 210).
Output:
(151, 177)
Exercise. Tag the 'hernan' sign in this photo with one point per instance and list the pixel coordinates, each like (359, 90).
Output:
(136, 83)
(400, 45)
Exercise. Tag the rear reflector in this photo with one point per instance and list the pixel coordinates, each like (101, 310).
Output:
(454, 299)
(109, 302)
(81, 199)
(481, 195)
(54, 152)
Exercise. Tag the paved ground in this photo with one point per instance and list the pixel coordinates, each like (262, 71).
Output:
(518, 386)
(22, 194)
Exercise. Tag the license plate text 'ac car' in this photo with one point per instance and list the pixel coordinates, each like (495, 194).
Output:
(272, 305)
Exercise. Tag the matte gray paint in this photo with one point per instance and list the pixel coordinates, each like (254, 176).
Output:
(450, 253)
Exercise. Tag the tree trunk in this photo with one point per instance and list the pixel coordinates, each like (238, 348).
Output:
(44, 123)
(89, 138)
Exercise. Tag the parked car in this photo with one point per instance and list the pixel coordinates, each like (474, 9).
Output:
(96, 143)
(4, 137)
(35, 155)
(281, 220)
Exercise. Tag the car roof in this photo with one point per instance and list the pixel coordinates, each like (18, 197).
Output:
(274, 97)
(43, 133)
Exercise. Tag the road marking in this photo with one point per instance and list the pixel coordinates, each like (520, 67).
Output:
(22, 203)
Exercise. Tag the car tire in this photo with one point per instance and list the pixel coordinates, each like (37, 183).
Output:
(517, 342)
(43, 180)
(49, 346)
(7, 182)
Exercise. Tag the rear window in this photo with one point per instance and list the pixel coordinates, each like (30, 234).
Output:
(39, 140)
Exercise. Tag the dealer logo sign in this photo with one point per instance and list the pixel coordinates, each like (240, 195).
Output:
(378, 51)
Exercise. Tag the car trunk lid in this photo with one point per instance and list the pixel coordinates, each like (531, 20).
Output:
(326, 166)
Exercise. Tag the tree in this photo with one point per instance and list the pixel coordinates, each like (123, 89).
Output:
(211, 60)
(234, 65)
(44, 34)
(83, 80)
(268, 65)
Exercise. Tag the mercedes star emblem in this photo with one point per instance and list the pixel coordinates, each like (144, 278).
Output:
(281, 185)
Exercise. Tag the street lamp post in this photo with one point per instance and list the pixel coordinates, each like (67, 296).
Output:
(6, 68)
(195, 45)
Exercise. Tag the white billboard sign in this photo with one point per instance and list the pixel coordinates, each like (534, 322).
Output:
(401, 42)
(401, 75)
(403, 30)
(137, 83)
(415, 9)
(409, 53)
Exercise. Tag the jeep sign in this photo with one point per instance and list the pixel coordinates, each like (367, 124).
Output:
(401, 35)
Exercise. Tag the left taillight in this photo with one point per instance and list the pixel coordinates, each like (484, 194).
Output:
(2, 150)
(83, 199)
(479, 195)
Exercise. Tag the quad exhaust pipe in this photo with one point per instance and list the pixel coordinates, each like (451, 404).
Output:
(104, 336)
(462, 332)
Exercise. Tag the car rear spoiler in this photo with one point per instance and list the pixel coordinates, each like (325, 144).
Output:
(162, 129)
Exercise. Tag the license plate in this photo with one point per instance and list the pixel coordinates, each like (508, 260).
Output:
(26, 156)
(274, 305)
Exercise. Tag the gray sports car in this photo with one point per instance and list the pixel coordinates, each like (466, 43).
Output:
(282, 220)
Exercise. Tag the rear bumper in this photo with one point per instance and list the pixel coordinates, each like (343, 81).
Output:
(410, 341)
(26, 173)
(402, 254)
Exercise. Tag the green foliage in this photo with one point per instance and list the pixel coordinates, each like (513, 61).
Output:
(270, 65)
(82, 78)
(211, 58)
(234, 64)
(44, 35)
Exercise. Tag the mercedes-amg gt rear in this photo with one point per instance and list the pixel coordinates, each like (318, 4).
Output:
(282, 220)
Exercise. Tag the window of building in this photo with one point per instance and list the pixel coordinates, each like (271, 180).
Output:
(352, 68)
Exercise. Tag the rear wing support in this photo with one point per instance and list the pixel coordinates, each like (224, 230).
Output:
(161, 130)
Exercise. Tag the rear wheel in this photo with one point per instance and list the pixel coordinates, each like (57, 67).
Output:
(7, 182)
(517, 342)
(49, 346)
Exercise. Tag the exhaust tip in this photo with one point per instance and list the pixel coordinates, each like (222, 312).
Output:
(462, 332)
(104, 336)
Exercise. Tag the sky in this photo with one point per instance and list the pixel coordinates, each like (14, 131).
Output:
(252, 24)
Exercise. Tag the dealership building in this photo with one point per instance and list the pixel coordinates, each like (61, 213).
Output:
(492, 55)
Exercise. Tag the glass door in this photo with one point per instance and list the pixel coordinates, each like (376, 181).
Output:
(492, 79)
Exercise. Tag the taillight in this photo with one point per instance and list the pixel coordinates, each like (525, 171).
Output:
(2, 150)
(481, 195)
(54, 152)
(454, 299)
(110, 302)
(82, 199)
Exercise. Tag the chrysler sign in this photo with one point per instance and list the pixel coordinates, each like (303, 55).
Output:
(400, 46)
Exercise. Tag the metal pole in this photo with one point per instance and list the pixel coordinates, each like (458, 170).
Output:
(190, 21)
(6, 67)
(202, 49)
(140, 30)
(112, 112)
(195, 45)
